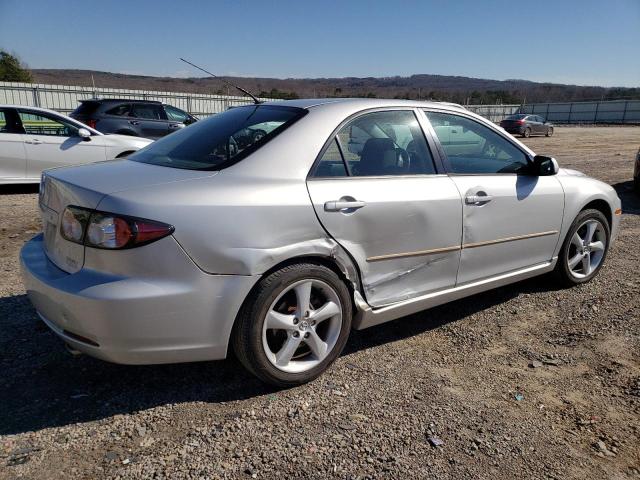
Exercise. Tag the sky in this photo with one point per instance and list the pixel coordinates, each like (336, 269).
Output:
(584, 42)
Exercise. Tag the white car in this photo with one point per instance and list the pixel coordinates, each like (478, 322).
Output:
(34, 139)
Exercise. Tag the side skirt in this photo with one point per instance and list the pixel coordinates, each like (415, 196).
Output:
(368, 317)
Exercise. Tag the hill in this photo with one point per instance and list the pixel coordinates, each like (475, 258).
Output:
(438, 87)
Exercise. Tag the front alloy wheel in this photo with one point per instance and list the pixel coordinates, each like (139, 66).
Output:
(584, 249)
(294, 324)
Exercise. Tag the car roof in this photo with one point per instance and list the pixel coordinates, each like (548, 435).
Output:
(362, 103)
(119, 100)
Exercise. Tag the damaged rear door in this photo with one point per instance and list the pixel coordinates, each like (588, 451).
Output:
(386, 204)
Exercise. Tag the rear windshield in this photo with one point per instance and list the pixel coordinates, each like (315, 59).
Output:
(220, 140)
(86, 108)
(515, 117)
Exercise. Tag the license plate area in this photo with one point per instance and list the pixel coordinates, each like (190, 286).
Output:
(49, 227)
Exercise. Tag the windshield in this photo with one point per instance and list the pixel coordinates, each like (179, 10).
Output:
(220, 140)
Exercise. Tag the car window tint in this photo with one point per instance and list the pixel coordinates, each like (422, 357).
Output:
(175, 114)
(220, 139)
(474, 148)
(3, 123)
(386, 143)
(120, 111)
(147, 112)
(40, 124)
(331, 163)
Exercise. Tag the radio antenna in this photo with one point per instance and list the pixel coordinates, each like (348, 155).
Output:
(255, 99)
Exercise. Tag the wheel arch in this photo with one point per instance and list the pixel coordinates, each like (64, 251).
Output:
(338, 261)
(602, 206)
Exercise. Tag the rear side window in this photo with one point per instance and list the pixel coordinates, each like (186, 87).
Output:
(123, 110)
(219, 140)
(147, 111)
(331, 163)
(387, 143)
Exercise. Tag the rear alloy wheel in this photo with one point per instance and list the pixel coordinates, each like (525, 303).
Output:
(584, 249)
(526, 133)
(549, 132)
(294, 325)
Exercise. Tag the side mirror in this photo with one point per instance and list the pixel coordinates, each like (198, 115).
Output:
(84, 134)
(544, 166)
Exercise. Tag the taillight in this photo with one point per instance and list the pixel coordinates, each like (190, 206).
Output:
(91, 123)
(108, 230)
(520, 122)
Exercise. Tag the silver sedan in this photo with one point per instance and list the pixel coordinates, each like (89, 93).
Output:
(345, 214)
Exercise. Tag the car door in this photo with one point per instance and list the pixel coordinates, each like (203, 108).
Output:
(151, 118)
(52, 141)
(13, 157)
(383, 200)
(537, 124)
(511, 219)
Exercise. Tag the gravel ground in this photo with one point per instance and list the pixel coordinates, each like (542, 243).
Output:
(527, 381)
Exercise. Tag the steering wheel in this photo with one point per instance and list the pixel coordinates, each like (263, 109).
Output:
(489, 150)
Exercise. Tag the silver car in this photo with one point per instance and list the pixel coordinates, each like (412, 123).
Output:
(347, 214)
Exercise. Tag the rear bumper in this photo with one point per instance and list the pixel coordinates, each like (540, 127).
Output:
(516, 130)
(140, 320)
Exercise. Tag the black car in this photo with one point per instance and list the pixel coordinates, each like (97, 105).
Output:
(141, 118)
(527, 125)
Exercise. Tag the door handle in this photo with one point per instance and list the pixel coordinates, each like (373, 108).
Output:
(339, 205)
(33, 141)
(133, 122)
(175, 126)
(477, 199)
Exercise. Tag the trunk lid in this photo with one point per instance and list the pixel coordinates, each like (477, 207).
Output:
(85, 186)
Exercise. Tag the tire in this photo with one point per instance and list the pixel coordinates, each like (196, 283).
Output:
(570, 251)
(262, 350)
(526, 133)
(636, 185)
(549, 132)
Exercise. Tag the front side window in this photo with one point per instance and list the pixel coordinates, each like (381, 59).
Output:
(39, 124)
(474, 148)
(3, 123)
(384, 143)
(211, 144)
(175, 114)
